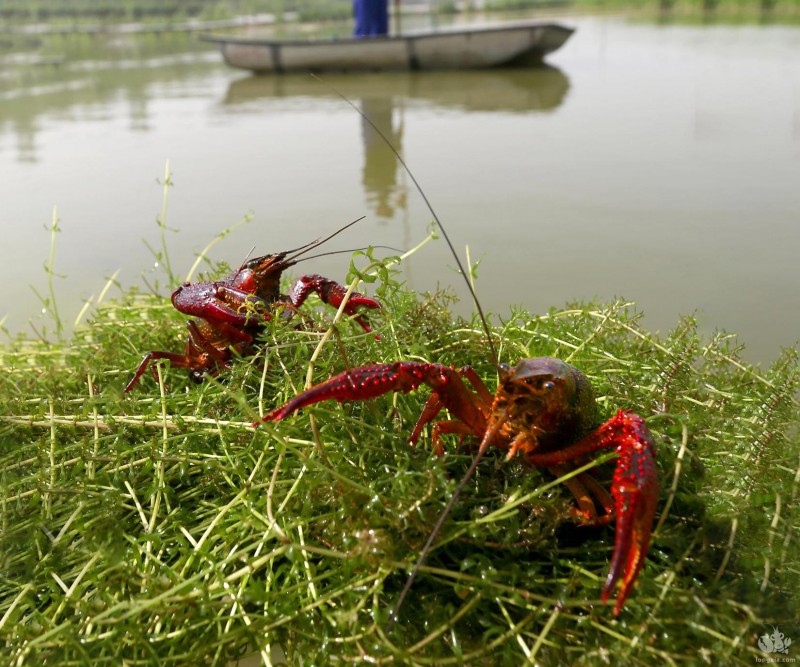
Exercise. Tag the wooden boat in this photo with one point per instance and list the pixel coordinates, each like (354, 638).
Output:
(463, 48)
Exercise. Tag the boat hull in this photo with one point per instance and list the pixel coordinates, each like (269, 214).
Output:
(457, 49)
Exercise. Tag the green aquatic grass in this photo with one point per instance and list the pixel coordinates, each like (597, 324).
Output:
(160, 528)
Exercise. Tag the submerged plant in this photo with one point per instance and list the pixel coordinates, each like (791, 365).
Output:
(161, 528)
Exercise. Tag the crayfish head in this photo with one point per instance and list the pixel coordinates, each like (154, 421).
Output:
(262, 275)
(548, 398)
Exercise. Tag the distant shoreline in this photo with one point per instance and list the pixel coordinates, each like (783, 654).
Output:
(132, 28)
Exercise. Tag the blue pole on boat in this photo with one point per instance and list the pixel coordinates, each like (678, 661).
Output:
(371, 18)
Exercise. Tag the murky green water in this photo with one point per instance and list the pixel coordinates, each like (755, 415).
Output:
(659, 163)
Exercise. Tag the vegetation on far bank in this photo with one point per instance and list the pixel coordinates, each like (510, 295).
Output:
(164, 12)
(160, 528)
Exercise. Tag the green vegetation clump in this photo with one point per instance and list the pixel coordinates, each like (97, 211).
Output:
(70, 17)
(512, 5)
(160, 528)
(14, 12)
(125, 10)
(322, 10)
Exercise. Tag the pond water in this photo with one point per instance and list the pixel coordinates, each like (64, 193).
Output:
(656, 162)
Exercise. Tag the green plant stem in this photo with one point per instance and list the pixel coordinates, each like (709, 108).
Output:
(50, 269)
(162, 224)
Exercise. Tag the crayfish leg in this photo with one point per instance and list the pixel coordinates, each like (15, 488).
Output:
(446, 428)
(433, 406)
(480, 388)
(451, 393)
(585, 490)
(179, 360)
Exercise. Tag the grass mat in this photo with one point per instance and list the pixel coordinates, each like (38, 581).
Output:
(159, 528)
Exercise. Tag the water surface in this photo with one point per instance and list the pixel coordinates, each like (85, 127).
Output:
(658, 163)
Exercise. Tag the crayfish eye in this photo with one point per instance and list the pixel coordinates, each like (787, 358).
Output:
(541, 385)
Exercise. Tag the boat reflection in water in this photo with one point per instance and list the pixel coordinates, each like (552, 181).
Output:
(384, 98)
(379, 175)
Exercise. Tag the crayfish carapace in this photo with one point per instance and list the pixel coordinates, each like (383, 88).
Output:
(229, 314)
(544, 409)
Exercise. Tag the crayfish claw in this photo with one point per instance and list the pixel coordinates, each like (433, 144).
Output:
(333, 294)
(632, 539)
(635, 491)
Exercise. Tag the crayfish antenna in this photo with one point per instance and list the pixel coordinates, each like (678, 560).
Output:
(491, 431)
(352, 250)
(493, 427)
(290, 257)
(298, 252)
(484, 322)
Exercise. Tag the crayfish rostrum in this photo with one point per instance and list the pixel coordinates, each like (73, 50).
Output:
(544, 409)
(229, 314)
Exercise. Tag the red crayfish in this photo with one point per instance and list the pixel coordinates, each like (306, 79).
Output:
(543, 409)
(229, 313)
